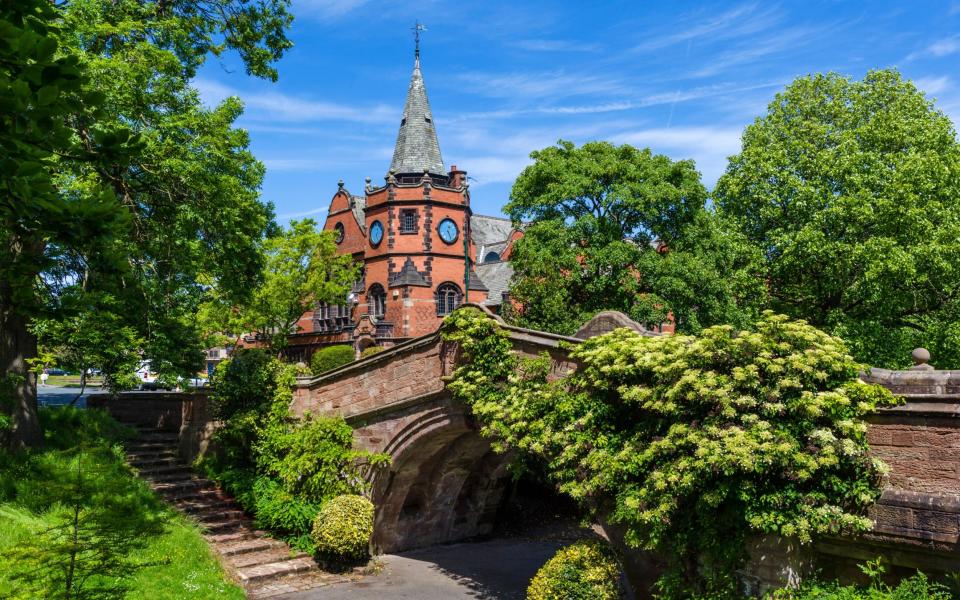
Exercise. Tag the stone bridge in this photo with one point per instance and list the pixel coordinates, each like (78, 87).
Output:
(446, 484)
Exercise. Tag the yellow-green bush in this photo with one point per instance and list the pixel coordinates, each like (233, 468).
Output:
(343, 528)
(585, 570)
(331, 357)
(371, 350)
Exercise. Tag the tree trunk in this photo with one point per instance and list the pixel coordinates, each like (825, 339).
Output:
(83, 386)
(19, 383)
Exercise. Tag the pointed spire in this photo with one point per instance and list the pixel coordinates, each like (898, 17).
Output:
(417, 148)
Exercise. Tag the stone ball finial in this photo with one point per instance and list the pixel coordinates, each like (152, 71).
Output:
(367, 179)
(340, 184)
(921, 356)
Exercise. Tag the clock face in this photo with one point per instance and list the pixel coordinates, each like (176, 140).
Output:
(376, 233)
(448, 230)
(338, 232)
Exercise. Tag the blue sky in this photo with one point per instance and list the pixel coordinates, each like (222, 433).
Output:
(506, 78)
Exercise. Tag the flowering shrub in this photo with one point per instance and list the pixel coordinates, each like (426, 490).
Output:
(690, 442)
(581, 571)
(343, 528)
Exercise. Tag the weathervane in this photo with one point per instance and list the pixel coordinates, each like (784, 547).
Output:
(417, 28)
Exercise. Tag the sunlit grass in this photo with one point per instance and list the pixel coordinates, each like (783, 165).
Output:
(171, 558)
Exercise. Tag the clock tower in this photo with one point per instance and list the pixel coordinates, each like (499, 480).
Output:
(412, 234)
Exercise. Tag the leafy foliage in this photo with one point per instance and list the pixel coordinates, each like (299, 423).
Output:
(371, 350)
(302, 268)
(280, 468)
(691, 443)
(917, 587)
(331, 357)
(599, 218)
(581, 571)
(117, 180)
(343, 528)
(848, 189)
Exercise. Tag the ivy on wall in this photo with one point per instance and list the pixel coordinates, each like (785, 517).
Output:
(692, 443)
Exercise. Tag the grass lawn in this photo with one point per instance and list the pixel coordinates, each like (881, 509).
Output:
(73, 380)
(129, 543)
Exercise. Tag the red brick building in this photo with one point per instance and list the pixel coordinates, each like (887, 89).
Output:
(423, 250)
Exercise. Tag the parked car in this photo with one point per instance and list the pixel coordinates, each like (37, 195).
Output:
(56, 372)
(198, 382)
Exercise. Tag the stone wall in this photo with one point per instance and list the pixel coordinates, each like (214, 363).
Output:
(187, 413)
(917, 519)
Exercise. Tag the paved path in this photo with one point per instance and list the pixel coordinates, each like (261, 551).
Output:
(498, 569)
(52, 395)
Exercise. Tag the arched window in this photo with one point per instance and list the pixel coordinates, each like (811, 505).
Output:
(448, 298)
(376, 301)
(491, 257)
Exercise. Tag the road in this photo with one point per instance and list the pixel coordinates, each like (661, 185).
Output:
(493, 570)
(51, 395)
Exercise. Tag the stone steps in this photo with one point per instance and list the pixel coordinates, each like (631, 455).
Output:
(264, 566)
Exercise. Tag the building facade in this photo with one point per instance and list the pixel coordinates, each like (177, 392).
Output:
(423, 250)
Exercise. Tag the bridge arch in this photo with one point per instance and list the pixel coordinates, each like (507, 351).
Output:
(445, 482)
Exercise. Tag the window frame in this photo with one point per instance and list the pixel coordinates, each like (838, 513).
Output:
(447, 297)
(374, 292)
(415, 215)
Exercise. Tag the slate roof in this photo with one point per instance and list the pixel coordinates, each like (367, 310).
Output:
(489, 230)
(417, 148)
(409, 275)
(358, 204)
(497, 278)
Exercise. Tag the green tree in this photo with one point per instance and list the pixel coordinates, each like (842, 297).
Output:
(92, 337)
(182, 199)
(302, 268)
(600, 217)
(690, 443)
(43, 91)
(849, 189)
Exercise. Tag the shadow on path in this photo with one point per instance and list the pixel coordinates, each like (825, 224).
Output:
(493, 570)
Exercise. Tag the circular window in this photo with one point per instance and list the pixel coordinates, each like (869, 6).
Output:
(338, 232)
(448, 230)
(376, 233)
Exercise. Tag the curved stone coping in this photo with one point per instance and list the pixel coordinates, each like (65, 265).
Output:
(517, 334)
(916, 381)
(949, 503)
(924, 405)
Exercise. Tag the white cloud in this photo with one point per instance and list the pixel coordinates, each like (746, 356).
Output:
(543, 45)
(297, 215)
(757, 49)
(556, 84)
(326, 8)
(276, 106)
(938, 49)
(932, 85)
(740, 21)
(945, 47)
